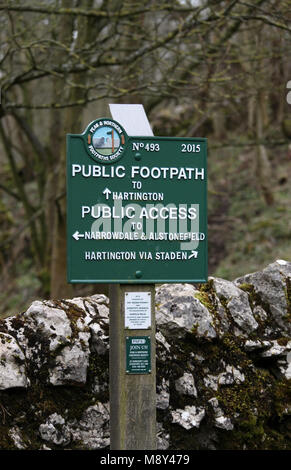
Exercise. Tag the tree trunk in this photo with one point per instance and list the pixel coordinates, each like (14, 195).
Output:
(263, 167)
(72, 123)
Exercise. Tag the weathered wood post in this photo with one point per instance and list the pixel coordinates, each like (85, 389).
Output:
(132, 377)
(132, 374)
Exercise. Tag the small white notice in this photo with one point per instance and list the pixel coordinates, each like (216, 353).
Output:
(138, 310)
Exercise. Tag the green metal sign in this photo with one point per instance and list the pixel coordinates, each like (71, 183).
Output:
(138, 355)
(136, 207)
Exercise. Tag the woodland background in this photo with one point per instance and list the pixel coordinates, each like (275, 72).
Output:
(201, 68)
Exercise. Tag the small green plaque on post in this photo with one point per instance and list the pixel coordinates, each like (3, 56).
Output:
(138, 355)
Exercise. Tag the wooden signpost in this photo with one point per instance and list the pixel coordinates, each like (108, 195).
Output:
(136, 216)
(132, 372)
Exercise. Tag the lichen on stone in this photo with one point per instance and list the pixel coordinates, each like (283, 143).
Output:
(223, 368)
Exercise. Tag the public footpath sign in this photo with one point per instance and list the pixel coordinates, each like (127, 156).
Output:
(136, 207)
(136, 216)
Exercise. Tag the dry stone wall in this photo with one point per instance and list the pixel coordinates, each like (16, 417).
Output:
(223, 368)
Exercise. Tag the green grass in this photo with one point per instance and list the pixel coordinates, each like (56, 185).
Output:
(257, 234)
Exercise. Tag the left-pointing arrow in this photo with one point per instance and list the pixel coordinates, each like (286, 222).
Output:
(78, 235)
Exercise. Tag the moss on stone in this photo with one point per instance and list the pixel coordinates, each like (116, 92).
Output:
(283, 341)
(207, 296)
(288, 298)
(194, 329)
(254, 297)
(256, 406)
(256, 300)
(74, 313)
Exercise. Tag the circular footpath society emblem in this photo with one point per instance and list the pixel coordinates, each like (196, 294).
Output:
(106, 140)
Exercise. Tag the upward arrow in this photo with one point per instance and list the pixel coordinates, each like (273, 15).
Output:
(107, 192)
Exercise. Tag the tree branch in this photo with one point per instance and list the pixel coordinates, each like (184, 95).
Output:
(92, 13)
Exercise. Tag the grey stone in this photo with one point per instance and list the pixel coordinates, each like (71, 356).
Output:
(55, 431)
(259, 313)
(270, 285)
(12, 364)
(285, 368)
(237, 304)
(178, 311)
(99, 340)
(211, 381)
(230, 376)
(17, 438)
(163, 347)
(162, 340)
(220, 421)
(92, 307)
(100, 384)
(100, 299)
(93, 428)
(70, 349)
(53, 323)
(190, 417)
(163, 438)
(198, 358)
(53, 341)
(163, 395)
(70, 366)
(258, 345)
(185, 385)
(223, 324)
(276, 350)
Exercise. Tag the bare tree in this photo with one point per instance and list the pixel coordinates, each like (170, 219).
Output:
(194, 58)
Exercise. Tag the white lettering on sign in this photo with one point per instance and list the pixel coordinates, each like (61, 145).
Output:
(143, 255)
(99, 171)
(152, 147)
(168, 236)
(105, 255)
(138, 341)
(150, 212)
(137, 310)
(147, 228)
(165, 172)
(138, 196)
(164, 255)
